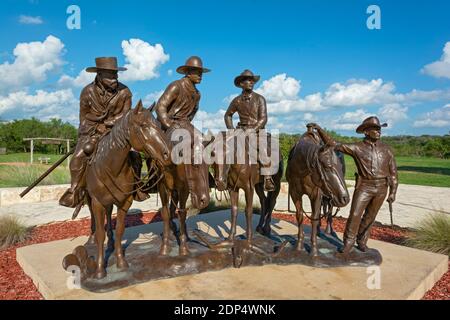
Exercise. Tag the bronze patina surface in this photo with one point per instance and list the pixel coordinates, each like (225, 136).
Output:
(208, 253)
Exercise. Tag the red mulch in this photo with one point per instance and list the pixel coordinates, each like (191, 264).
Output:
(16, 285)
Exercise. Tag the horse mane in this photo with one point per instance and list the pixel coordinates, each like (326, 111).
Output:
(117, 137)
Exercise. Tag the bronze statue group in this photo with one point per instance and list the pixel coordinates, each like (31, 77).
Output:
(106, 164)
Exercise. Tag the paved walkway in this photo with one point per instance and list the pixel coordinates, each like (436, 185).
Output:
(413, 204)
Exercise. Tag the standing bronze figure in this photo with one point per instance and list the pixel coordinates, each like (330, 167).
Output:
(102, 104)
(175, 109)
(314, 170)
(377, 172)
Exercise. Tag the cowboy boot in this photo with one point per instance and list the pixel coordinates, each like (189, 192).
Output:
(347, 248)
(269, 185)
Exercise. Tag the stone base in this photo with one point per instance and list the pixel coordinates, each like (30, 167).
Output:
(405, 273)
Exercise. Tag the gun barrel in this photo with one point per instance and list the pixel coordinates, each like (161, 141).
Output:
(46, 173)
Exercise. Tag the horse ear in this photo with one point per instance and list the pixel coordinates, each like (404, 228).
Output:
(152, 107)
(139, 107)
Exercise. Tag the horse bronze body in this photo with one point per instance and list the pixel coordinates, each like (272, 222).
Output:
(246, 176)
(180, 181)
(315, 171)
(110, 179)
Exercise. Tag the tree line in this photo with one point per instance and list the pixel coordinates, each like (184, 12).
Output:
(12, 134)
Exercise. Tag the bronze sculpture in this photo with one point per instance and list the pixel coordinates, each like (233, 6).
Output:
(110, 178)
(314, 170)
(102, 103)
(175, 109)
(377, 171)
(252, 110)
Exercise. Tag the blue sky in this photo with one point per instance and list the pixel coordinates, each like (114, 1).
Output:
(318, 61)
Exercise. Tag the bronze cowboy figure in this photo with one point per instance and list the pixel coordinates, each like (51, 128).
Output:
(252, 110)
(102, 104)
(179, 103)
(377, 170)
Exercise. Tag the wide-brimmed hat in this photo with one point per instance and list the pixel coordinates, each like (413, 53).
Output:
(105, 63)
(368, 123)
(193, 62)
(246, 74)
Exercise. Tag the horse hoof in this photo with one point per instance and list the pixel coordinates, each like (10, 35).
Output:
(164, 251)
(91, 239)
(299, 246)
(184, 251)
(314, 253)
(122, 264)
(100, 274)
(260, 230)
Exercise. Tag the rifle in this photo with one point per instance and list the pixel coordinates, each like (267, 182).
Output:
(46, 173)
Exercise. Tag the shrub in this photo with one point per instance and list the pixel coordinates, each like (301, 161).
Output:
(12, 231)
(432, 234)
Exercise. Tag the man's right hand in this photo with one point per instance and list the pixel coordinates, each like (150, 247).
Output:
(101, 128)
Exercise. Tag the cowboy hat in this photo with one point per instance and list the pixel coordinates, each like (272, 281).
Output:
(245, 75)
(193, 62)
(105, 63)
(368, 123)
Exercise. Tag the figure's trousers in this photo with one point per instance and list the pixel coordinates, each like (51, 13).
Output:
(78, 162)
(367, 200)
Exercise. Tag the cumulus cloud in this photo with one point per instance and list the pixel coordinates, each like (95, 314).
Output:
(43, 105)
(280, 87)
(438, 118)
(349, 120)
(32, 63)
(152, 97)
(210, 120)
(143, 59)
(392, 113)
(83, 79)
(440, 68)
(23, 19)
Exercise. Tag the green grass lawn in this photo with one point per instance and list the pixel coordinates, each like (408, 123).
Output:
(412, 170)
(25, 157)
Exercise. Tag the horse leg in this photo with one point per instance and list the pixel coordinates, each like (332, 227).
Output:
(91, 239)
(259, 188)
(271, 200)
(315, 219)
(109, 228)
(183, 249)
(249, 212)
(121, 263)
(165, 245)
(173, 208)
(299, 214)
(329, 215)
(234, 196)
(99, 215)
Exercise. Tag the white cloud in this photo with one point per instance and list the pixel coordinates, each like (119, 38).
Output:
(358, 93)
(438, 118)
(33, 61)
(170, 72)
(208, 120)
(152, 97)
(142, 59)
(280, 87)
(392, 113)
(23, 19)
(349, 120)
(440, 68)
(83, 79)
(43, 105)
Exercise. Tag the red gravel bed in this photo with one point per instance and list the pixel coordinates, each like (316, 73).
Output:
(16, 285)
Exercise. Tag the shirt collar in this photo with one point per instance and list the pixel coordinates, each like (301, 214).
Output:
(374, 144)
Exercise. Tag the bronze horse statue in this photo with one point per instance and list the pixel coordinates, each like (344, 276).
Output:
(181, 180)
(246, 176)
(110, 178)
(316, 171)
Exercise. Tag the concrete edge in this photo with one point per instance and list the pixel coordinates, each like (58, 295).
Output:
(29, 271)
(429, 281)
